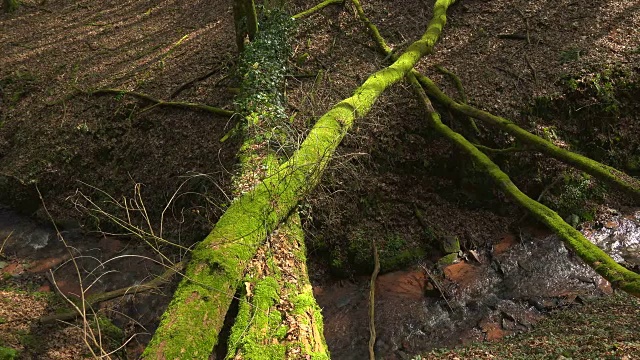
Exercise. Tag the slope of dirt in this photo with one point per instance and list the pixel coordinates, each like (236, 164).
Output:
(57, 141)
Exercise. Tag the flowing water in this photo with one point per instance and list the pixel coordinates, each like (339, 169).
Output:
(490, 294)
(498, 292)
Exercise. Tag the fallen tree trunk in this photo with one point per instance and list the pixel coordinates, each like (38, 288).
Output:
(592, 255)
(278, 316)
(190, 325)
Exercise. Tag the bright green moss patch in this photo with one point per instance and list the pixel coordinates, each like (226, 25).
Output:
(8, 353)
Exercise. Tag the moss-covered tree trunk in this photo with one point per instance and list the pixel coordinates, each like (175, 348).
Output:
(189, 327)
(278, 316)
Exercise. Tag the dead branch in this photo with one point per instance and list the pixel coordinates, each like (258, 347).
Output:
(160, 103)
(591, 254)
(468, 122)
(92, 300)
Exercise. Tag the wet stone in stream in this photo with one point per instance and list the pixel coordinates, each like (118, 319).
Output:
(497, 292)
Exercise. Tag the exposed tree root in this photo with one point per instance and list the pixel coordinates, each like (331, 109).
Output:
(599, 171)
(217, 263)
(372, 303)
(316, 8)
(92, 300)
(468, 122)
(592, 255)
(160, 103)
(190, 83)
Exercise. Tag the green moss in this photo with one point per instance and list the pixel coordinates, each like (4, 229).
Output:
(450, 244)
(8, 353)
(253, 329)
(108, 329)
(448, 259)
(394, 249)
(576, 196)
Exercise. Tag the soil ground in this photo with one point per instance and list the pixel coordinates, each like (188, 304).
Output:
(566, 70)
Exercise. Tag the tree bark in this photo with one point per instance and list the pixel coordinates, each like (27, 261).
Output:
(245, 20)
(189, 327)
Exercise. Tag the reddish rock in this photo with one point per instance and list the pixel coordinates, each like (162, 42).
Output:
(507, 242)
(69, 288)
(604, 286)
(46, 264)
(13, 269)
(45, 288)
(110, 246)
(410, 284)
(462, 273)
(492, 330)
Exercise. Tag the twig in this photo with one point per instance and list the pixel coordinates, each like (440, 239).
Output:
(5, 241)
(81, 309)
(486, 149)
(513, 36)
(190, 83)
(468, 122)
(526, 21)
(533, 70)
(372, 291)
(437, 284)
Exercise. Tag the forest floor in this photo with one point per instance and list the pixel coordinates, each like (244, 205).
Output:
(566, 70)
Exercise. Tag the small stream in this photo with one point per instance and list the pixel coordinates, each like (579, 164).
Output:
(496, 292)
(31, 249)
(501, 291)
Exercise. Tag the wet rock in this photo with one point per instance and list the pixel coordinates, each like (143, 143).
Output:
(462, 273)
(410, 284)
(506, 243)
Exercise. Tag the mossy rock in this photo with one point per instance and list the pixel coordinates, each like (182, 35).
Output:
(448, 259)
(451, 244)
